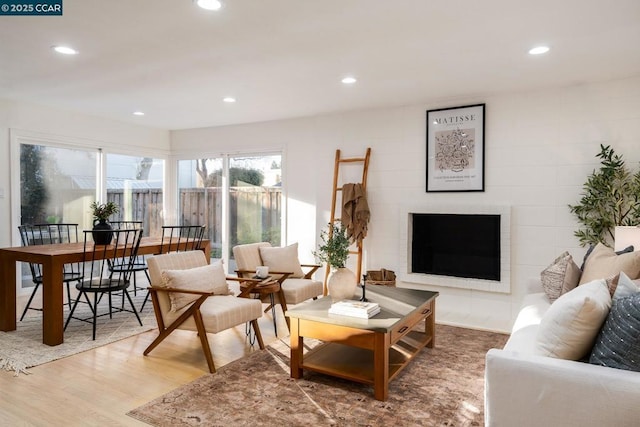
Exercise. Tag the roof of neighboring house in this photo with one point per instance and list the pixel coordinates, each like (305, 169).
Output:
(88, 183)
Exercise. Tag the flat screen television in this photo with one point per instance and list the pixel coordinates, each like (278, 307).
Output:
(458, 245)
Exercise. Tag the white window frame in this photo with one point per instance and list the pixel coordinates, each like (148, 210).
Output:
(226, 156)
(18, 137)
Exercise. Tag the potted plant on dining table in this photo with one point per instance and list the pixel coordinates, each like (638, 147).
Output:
(101, 213)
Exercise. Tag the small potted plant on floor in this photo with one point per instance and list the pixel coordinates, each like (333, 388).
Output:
(101, 213)
(334, 250)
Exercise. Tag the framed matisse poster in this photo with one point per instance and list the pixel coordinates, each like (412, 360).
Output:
(455, 149)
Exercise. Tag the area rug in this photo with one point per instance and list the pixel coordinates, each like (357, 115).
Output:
(23, 348)
(442, 386)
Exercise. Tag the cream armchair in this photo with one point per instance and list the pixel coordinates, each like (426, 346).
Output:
(188, 293)
(296, 285)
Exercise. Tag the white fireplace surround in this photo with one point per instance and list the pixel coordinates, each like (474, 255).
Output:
(405, 274)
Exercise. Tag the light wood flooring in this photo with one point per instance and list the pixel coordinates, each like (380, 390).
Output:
(98, 387)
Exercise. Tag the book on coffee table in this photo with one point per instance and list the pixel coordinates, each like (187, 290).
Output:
(355, 308)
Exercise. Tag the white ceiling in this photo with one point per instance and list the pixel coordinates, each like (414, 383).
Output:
(285, 58)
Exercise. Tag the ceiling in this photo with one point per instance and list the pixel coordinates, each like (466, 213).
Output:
(285, 58)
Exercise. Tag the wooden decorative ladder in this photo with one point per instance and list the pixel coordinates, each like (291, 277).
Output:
(338, 188)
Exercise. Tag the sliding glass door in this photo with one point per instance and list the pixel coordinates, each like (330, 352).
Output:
(238, 198)
(57, 185)
(200, 194)
(255, 199)
(135, 183)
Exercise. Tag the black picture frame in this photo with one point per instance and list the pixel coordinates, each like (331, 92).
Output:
(455, 149)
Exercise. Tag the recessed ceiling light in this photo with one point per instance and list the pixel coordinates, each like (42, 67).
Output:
(138, 113)
(349, 80)
(539, 50)
(229, 99)
(65, 50)
(209, 4)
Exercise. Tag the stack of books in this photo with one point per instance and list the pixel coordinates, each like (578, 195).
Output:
(361, 309)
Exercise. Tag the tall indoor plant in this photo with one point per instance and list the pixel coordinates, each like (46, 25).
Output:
(610, 197)
(334, 251)
(101, 214)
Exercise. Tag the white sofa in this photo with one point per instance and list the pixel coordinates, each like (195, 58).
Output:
(523, 389)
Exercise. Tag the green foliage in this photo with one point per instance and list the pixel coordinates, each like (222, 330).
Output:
(335, 246)
(237, 176)
(103, 211)
(33, 188)
(610, 197)
(271, 235)
(53, 219)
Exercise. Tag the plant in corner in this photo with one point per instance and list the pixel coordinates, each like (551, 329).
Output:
(610, 197)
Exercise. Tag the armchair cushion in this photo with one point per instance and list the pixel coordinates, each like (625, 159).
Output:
(299, 290)
(282, 259)
(208, 278)
(220, 313)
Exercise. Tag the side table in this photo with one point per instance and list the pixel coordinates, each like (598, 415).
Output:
(268, 287)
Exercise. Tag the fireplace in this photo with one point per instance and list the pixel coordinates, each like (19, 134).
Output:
(457, 246)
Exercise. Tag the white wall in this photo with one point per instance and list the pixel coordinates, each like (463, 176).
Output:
(62, 125)
(299, 169)
(540, 147)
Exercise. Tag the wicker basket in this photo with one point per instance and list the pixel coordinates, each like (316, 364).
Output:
(380, 277)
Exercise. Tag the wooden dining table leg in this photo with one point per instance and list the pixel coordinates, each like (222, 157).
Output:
(52, 307)
(7, 294)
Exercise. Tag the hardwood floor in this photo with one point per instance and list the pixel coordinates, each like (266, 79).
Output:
(98, 387)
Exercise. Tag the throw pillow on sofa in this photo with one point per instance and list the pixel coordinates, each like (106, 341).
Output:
(625, 287)
(560, 277)
(603, 262)
(592, 247)
(618, 343)
(570, 325)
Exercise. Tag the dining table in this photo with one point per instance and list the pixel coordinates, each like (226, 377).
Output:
(53, 258)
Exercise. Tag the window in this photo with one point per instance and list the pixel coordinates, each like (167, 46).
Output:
(59, 181)
(200, 193)
(135, 185)
(255, 190)
(238, 198)
(56, 185)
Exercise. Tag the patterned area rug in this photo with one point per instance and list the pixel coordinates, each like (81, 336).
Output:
(442, 386)
(23, 348)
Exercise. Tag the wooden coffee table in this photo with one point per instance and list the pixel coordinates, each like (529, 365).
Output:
(370, 351)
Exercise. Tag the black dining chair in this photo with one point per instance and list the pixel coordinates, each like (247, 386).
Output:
(99, 280)
(48, 234)
(139, 264)
(185, 237)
